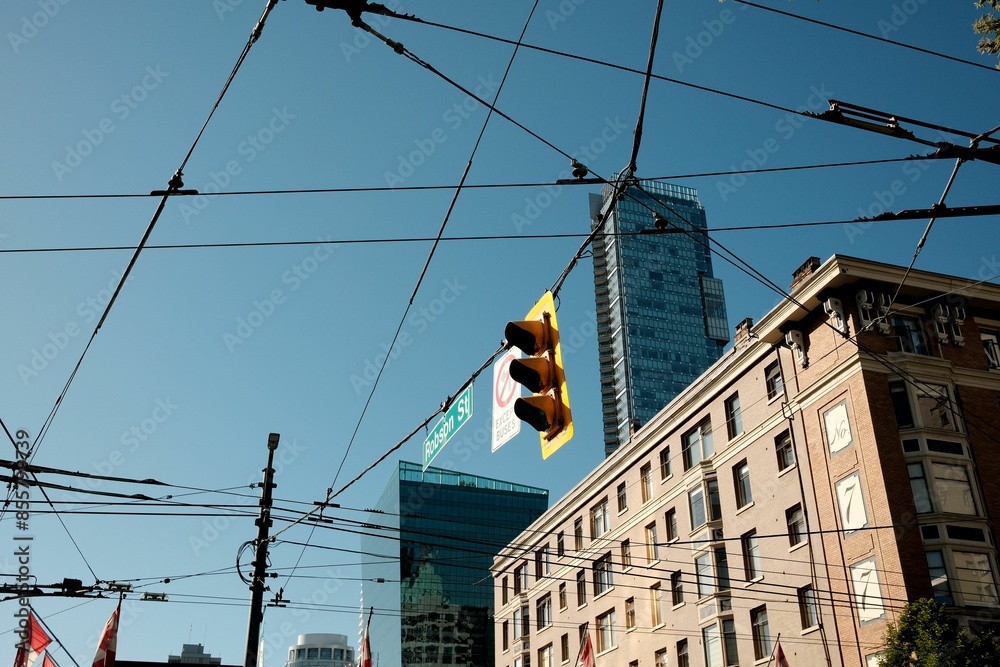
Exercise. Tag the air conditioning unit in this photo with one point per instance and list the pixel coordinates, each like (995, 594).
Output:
(795, 340)
(835, 309)
(957, 320)
(940, 314)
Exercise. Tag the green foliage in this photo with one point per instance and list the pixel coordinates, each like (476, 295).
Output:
(928, 636)
(988, 25)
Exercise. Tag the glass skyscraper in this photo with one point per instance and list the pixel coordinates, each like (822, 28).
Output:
(432, 538)
(661, 314)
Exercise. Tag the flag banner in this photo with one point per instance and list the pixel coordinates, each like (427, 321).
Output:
(33, 644)
(365, 652)
(587, 654)
(48, 661)
(779, 656)
(107, 647)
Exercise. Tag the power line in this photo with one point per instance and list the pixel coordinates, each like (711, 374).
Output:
(867, 35)
(467, 186)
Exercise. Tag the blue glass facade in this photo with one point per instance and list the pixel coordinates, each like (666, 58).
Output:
(661, 314)
(441, 531)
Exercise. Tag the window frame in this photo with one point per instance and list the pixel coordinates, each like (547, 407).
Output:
(774, 384)
(629, 613)
(646, 482)
(581, 588)
(741, 483)
(677, 588)
(795, 521)
(670, 521)
(605, 624)
(656, 616)
(699, 438)
(666, 469)
(750, 547)
(734, 416)
(808, 607)
(600, 519)
(761, 633)
(543, 612)
(604, 579)
(622, 494)
(783, 443)
(652, 547)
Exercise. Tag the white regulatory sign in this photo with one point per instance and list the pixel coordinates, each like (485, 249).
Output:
(505, 391)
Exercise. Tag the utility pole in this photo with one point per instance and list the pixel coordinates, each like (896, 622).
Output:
(259, 563)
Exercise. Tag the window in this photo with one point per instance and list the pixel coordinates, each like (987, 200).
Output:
(516, 622)
(722, 568)
(713, 646)
(560, 545)
(703, 574)
(731, 654)
(934, 407)
(696, 502)
(918, 486)
(671, 520)
(525, 621)
(939, 577)
(312, 654)
(783, 450)
(564, 648)
(901, 404)
(520, 578)
(714, 501)
(698, 444)
(751, 555)
(603, 578)
(796, 525)
(578, 534)
(655, 605)
(652, 548)
(505, 635)
(326, 654)
(773, 382)
(562, 596)
(665, 470)
(676, 588)
(660, 658)
(622, 498)
(630, 613)
(974, 575)
(734, 417)
(581, 587)
(541, 565)
(646, 482)
(505, 593)
(606, 631)
(910, 334)
(682, 654)
(761, 636)
(543, 612)
(599, 519)
(626, 554)
(808, 611)
(991, 347)
(952, 488)
(741, 480)
(545, 656)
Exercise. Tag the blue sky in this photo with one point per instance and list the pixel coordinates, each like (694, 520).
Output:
(208, 350)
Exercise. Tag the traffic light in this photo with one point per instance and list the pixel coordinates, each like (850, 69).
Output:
(547, 409)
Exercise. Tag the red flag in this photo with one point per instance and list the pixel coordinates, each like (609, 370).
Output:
(48, 661)
(33, 644)
(779, 657)
(587, 653)
(107, 647)
(365, 653)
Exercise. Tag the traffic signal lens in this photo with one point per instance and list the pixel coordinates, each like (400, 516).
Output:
(533, 373)
(532, 411)
(529, 337)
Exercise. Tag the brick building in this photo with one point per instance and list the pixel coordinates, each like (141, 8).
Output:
(833, 465)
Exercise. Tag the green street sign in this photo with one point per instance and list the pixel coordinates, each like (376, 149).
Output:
(455, 418)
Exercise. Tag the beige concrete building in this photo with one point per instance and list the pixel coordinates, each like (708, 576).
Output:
(839, 461)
